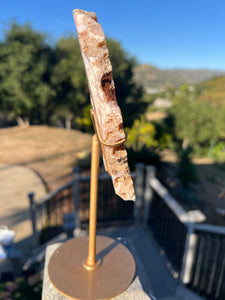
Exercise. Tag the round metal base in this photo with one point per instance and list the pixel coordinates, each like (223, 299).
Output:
(113, 274)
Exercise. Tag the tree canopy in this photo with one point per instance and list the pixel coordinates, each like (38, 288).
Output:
(25, 66)
(196, 123)
(198, 118)
(43, 82)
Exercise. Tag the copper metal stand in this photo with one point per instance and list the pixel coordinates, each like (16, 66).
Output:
(94, 268)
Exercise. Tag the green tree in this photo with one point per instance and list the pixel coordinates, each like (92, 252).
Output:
(39, 81)
(25, 67)
(196, 123)
(129, 94)
(69, 79)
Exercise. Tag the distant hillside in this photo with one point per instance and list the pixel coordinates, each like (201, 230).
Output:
(151, 77)
(212, 90)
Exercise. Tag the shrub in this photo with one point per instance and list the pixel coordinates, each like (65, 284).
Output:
(218, 152)
(144, 155)
(21, 289)
(142, 134)
(186, 171)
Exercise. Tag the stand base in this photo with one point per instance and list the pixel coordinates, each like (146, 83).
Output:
(113, 274)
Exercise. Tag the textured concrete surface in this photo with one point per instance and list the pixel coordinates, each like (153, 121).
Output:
(161, 281)
(153, 279)
(162, 285)
(138, 290)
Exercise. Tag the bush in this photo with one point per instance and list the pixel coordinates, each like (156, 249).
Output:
(186, 171)
(144, 155)
(22, 289)
(142, 134)
(218, 152)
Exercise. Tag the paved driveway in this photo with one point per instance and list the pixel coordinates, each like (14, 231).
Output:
(15, 183)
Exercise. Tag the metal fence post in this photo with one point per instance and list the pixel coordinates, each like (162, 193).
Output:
(148, 194)
(139, 191)
(189, 254)
(76, 196)
(31, 197)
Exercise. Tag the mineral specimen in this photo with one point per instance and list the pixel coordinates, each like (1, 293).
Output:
(103, 97)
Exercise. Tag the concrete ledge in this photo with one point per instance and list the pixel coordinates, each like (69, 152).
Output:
(134, 292)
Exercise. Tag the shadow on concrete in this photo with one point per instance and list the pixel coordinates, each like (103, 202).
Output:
(15, 217)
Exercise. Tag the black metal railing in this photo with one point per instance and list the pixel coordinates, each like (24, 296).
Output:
(111, 208)
(50, 210)
(48, 213)
(74, 197)
(168, 230)
(196, 252)
(208, 272)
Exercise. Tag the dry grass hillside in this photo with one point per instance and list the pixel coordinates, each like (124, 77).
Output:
(51, 152)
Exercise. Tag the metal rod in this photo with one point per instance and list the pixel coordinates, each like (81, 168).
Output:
(91, 260)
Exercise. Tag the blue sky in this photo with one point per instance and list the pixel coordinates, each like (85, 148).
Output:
(167, 34)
